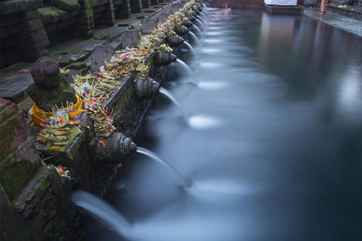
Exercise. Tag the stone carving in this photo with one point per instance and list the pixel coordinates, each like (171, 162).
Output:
(50, 88)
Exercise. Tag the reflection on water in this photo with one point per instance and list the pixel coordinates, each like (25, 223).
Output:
(208, 85)
(282, 158)
(203, 122)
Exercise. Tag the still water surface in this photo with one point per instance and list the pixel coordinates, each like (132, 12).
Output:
(282, 159)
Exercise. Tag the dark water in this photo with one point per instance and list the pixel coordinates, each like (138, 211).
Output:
(276, 145)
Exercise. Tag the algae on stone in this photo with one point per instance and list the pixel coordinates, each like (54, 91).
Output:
(67, 5)
(14, 175)
(51, 14)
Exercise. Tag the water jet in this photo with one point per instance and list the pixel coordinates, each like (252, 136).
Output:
(103, 212)
(186, 182)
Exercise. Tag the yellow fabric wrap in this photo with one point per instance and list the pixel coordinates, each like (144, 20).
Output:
(41, 118)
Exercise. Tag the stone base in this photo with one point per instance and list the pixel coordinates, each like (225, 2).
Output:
(276, 9)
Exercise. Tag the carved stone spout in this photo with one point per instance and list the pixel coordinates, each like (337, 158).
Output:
(175, 41)
(188, 24)
(146, 87)
(162, 58)
(118, 144)
(181, 30)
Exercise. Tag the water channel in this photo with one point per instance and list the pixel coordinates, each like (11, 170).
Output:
(282, 157)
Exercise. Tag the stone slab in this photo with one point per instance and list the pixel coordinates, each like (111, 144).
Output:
(14, 86)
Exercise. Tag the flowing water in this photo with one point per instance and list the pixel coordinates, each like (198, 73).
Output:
(190, 48)
(281, 159)
(102, 211)
(193, 38)
(169, 96)
(186, 69)
(196, 30)
(186, 183)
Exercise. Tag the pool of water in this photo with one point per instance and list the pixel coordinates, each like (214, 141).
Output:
(272, 139)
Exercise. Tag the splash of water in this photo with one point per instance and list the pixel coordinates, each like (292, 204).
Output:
(186, 182)
(103, 212)
(202, 122)
(169, 96)
(185, 67)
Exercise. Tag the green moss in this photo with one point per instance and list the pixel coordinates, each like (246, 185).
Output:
(50, 14)
(44, 185)
(67, 5)
(15, 175)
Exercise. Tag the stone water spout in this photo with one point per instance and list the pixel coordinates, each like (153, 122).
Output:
(188, 35)
(198, 22)
(163, 59)
(181, 30)
(182, 49)
(146, 87)
(193, 28)
(116, 145)
(122, 144)
(175, 41)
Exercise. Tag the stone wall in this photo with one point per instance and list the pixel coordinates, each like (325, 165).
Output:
(22, 35)
(27, 27)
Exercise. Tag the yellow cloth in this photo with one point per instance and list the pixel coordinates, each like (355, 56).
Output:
(41, 118)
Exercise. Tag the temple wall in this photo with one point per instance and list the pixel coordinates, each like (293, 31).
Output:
(48, 22)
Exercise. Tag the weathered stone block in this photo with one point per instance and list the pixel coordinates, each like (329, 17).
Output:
(16, 169)
(44, 202)
(12, 226)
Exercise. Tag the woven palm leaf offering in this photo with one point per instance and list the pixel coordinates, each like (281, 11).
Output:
(127, 62)
(94, 91)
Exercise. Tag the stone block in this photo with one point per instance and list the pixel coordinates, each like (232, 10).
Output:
(14, 86)
(12, 226)
(44, 202)
(18, 161)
